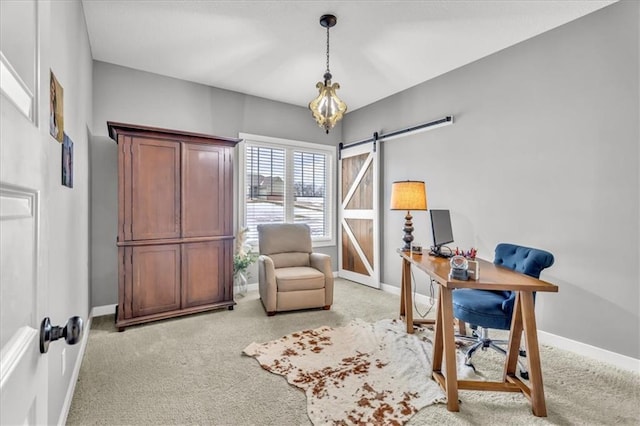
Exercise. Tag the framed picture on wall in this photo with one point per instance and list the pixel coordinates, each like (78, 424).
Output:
(56, 108)
(67, 162)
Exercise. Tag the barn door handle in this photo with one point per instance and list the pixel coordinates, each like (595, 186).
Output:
(72, 332)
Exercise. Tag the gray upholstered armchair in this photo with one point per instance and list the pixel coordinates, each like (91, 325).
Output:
(290, 276)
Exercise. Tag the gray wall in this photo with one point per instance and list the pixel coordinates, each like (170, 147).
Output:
(544, 153)
(69, 56)
(130, 96)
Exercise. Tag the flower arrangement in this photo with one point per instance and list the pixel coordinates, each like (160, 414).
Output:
(243, 256)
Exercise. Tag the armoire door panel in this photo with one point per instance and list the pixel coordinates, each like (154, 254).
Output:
(155, 279)
(204, 190)
(206, 276)
(155, 189)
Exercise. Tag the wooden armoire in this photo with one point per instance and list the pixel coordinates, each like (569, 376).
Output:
(175, 223)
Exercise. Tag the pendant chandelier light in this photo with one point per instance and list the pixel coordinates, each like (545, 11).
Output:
(327, 108)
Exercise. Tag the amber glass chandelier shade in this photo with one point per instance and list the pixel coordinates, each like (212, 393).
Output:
(327, 108)
(408, 195)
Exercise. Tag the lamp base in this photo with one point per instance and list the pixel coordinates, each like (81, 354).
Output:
(408, 230)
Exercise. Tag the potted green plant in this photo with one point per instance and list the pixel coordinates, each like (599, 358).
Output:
(244, 256)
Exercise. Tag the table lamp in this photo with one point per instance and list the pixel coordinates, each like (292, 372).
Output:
(408, 195)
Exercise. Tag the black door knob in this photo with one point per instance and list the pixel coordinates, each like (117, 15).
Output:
(72, 332)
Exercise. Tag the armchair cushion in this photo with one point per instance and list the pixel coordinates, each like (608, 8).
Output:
(287, 260)
(299, 278)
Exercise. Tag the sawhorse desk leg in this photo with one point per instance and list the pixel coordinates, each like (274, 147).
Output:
(533, 354)
(444, 345)
(524, 320)
(406, 305)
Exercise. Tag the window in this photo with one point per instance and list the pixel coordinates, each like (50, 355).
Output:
(287, 181)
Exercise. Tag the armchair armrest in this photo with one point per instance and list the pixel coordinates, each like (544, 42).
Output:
(322, 262)
(267, 286)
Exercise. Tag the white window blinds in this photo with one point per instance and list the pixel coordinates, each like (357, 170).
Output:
(265, 191)
(309, 185)
(287, 183)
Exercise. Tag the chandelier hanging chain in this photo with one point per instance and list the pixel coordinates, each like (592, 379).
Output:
(328, 71)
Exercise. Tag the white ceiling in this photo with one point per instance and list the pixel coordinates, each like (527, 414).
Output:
(276, 49)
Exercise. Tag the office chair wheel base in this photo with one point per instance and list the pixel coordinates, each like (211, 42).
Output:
(522, 352)
(524, 375)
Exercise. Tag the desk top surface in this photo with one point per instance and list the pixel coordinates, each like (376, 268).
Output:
(492, 277)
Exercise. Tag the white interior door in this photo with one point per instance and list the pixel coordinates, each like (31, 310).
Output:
(23, 370)
(358, 248)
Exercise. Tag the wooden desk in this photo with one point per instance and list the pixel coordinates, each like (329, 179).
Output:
(492, 277)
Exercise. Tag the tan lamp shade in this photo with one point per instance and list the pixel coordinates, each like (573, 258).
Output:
(408, 195)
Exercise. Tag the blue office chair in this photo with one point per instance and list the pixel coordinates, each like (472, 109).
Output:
(487, 309)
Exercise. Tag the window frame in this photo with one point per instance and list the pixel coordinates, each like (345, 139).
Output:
(289, 146)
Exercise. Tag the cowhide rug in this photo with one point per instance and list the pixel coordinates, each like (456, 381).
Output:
(361, 373)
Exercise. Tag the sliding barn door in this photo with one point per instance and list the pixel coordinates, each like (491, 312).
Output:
(358, 249)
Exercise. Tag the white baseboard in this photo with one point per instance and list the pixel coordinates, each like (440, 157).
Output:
(621, 361)
(420, 298)
(99, 311)
(618, 360)
(66, 406)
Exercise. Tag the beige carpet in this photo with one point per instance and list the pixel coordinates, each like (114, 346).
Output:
(191, 370)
